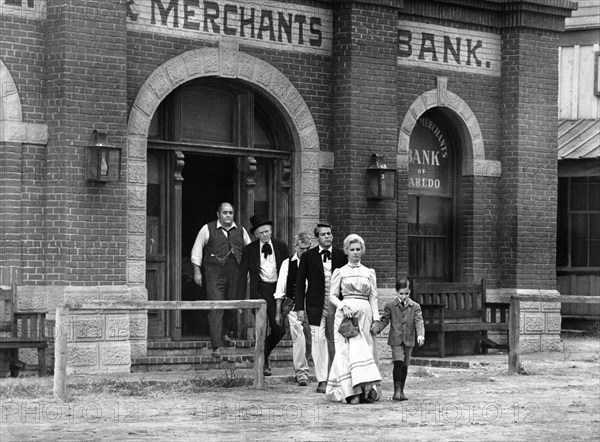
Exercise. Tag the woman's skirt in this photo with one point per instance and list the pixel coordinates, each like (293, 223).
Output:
(354, 363)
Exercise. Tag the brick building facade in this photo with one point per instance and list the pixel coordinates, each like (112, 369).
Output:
(277, 107)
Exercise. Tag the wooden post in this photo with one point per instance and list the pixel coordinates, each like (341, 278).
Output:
(61, 333)
(260, 328)
(514, 366)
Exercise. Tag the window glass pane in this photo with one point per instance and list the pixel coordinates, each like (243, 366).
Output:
(562, 234)
(579, 194)
(594, 253)
(579, 253)
(154, 205)
(579, 227)
(430, 160)
(261, 191)
(579, 240)
(207, 115)
(594, 226)
(154, 129)
(594, 193)
(434, 216)
(261, 137)
(428, 257)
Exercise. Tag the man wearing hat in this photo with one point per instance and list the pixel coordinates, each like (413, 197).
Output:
(218, 250)
(312, 294)
(262, 260)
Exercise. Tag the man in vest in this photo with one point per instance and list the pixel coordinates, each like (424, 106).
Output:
(218, 250)
(300, 330)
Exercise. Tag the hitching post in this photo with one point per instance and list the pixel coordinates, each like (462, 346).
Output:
(259, 347)
(61, 333)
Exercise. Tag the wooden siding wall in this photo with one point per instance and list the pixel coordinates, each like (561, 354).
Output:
(579, 285)
(576, 83)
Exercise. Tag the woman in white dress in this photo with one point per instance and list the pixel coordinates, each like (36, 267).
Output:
(354, 374)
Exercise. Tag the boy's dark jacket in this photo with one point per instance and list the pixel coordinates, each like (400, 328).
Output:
(406, 323)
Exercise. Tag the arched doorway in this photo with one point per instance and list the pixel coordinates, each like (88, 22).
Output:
(440, 219)
(211, 140)
(433, 199)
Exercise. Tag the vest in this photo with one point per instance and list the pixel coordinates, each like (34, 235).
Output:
(216, 250)
(290, 285)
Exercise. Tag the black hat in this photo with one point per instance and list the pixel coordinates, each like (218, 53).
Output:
(257, 222)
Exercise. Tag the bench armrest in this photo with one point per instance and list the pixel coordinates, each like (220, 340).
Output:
(494, 308)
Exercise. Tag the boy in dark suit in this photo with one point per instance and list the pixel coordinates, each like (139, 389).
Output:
(406, 320)
(312, 294)
(262, 260)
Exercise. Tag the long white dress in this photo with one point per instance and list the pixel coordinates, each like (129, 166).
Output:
(355, 361)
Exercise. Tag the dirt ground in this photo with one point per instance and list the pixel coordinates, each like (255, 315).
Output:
(558, 399)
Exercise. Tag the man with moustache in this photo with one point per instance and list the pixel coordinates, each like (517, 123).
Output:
(218, 250)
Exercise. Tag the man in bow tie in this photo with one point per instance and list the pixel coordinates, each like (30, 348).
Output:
(262, 260)
(312, 296)
(217, 251)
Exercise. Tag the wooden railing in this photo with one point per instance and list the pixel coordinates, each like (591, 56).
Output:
(63, 315)
(514, 364)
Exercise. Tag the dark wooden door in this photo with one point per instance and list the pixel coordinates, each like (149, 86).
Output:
(157, 245)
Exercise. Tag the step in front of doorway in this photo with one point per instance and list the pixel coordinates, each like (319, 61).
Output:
(198, 355)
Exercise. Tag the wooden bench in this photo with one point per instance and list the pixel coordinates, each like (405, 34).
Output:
(21, 330)
(460, 306)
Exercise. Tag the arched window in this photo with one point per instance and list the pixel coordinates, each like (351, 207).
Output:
(432, 188)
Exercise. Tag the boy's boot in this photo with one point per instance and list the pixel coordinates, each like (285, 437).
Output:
(398, 382)
(402, 382)
(398, 394)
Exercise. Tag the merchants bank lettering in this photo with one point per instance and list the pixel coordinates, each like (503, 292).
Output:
(238, 21)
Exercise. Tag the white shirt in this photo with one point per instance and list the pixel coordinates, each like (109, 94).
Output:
(268, 266)
(283, 274)
(203, 237)
(327, 273)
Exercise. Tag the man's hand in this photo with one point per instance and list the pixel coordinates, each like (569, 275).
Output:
(301, 315)
(420, 340)
(198, 276)
(278, 317)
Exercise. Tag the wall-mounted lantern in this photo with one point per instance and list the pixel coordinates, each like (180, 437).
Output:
(381, 180)
(103, 160)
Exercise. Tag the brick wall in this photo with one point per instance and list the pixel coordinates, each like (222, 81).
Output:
(528, 193)
(365, 122)
(22, 54)
(85, 222)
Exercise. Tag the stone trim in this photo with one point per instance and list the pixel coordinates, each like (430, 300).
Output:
(19, 132)
(224, 61)
(326, 160)
(504, 294)
(474, 162)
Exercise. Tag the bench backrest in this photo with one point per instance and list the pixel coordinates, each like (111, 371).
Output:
(461, 299)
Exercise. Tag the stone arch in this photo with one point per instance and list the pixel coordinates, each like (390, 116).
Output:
(12, 127)
(474, 162)
(225, 61)
(10, 104)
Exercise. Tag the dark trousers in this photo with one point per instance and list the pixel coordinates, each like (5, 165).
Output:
(266, 291)
(221, 286)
